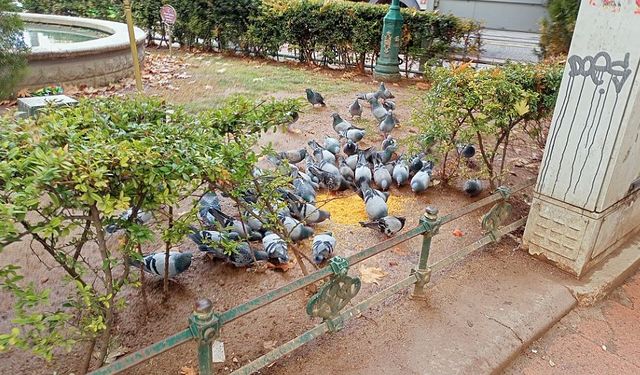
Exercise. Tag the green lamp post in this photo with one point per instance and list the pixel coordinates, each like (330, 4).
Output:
(387, 66)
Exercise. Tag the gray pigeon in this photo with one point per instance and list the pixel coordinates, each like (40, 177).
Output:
(353, 134)
(296, 230)
(416, 163)
(386, 154)
(210, 241)
(141, 218)
(275, 247)
(377, 109)
(314, 98)
(388, 142)
(375, 206)
(355, 109)
(350, 147)
(384, 92)
(420, 182)
(234, 225)
(305, 190)
(321, 153)
(340, 124)
(387, 125)
(243, 256)
(322, 247)
(352, 161)
(208, 201)
(332, 145)
(154, 263)
(400, 171)
(381, 175)
(363, 172)
(308, 212)
(389, 105)
(466, 151)
(293, 156)
(331, 181)
(368, 96)
(472, 187)
(388, 225)
(346, 171)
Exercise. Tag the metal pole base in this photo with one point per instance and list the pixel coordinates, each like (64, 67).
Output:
(386, 77)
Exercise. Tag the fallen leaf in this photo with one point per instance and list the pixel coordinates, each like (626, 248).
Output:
(552, 363)
(270, 345)
(371, 275)
(604, 347)
(186, 370)
(220, 71)
(116, 353)
(235, 360)
(457, 233)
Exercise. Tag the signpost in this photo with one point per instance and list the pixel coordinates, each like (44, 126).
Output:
(168, 15)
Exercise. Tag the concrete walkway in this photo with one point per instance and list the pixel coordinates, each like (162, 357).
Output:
(602, 339)
(500, 46)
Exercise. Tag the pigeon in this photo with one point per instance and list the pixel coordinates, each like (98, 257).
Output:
(208, 201)
(377, 109)
(293, 156)
(353, 134)
(384, 92)
(141, 218)
(400, 172)
(472, 187)
(355, 109)
(210, 241)
(304, 190)
(332, 145)
(321, 153)
(275, 247)
(363, 172)
(292, 118)
(252, 220)
(315, 98)
(388, 142)
(154, 263)
(389, 105)
(352, 161)
(381, 175)
(388, 225)
(375, 206)
(420, 182)
(322, 247)
(350, 147)
(296, 230)
(346, 171)
(340, 124)
(328, 167)
(368, 96)
(466, 151)
(387, 125)
(331, 181)
(308, 213)
(416, 163)
(234, 225)
(386, 154)
(243, 256)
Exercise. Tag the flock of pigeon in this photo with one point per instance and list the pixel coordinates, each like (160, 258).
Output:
(338, 164)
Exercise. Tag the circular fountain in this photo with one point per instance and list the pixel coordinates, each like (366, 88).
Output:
(77, 51)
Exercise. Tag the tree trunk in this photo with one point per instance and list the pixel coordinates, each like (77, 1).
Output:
(167, 250)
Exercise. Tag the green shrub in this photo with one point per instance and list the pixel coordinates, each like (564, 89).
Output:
(12, 49)
(557, 31)
(342, 33)
(483, 107)
(68, 174)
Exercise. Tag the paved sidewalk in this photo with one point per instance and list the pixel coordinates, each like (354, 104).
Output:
(602, 339)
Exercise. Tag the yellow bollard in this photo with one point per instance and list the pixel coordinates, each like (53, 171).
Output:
(134, 46)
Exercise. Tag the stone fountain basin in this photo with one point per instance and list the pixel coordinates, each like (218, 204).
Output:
(94, 63)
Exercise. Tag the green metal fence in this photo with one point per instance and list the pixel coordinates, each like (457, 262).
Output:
(331, 300)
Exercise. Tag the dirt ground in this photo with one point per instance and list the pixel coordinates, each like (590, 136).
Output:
(258, 332)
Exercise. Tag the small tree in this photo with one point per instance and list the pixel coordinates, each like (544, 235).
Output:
(65, 176)
(483, 106)
(12, 49)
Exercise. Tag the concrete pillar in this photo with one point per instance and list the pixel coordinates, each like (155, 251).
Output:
(586, 198)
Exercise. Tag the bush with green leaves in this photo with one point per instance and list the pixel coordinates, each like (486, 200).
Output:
(557, 30)
(12, 49)
(483, 107)
(67, 175)
(337, 32)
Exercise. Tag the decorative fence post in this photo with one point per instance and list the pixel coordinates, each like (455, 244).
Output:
(205, 327)
(387, 66)
(431, 223)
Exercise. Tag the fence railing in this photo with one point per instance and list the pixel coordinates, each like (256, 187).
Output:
(331, 300)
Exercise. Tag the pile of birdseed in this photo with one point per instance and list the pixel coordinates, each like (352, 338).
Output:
(350, 209)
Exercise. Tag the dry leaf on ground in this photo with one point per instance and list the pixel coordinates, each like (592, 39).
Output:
(186, 370)
(458, 233)
(270, 345)
(371, 275)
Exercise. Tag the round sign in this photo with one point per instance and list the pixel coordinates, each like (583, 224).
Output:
(168, 14)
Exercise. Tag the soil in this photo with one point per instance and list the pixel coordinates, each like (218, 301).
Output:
(247, 338)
